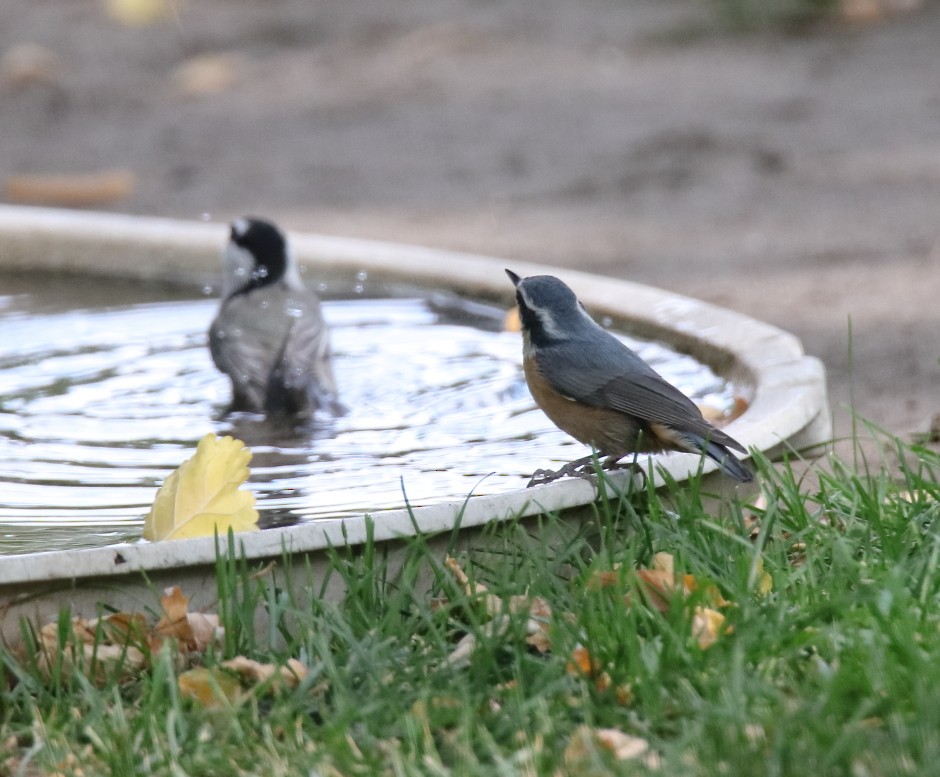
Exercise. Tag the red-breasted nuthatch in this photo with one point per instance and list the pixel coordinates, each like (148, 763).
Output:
(600, 392)
(269, 335)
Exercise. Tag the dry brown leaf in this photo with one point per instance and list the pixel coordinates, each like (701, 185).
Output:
(582, 662)
(868, 11)
(193, 631)
(492, 604)
(511, 321)
(586, 741)
(536, 608)
(539, 623)
(98, 646)
(204, 74)
(281, 676)
(78, 190)
(29, 63)
(600, 579)
(659, 585)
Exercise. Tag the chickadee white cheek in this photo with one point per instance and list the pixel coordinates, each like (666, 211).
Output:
(238, 265)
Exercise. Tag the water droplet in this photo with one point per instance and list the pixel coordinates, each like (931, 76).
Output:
(207, 290)
(607, 322)
(358, 288)
(322, 287)
(362, 275)
(205, 216)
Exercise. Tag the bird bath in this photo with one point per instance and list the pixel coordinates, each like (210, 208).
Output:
(444, 352)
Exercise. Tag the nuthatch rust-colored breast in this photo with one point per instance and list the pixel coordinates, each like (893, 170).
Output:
(596, 389)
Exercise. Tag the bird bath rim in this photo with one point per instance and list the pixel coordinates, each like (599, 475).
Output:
(785, 388)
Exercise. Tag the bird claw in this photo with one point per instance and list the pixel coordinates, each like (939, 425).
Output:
(581, 468)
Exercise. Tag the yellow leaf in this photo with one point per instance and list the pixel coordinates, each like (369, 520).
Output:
(212, 688)
(137, 13)
(707, 626)
(203, 495)
(765, 583)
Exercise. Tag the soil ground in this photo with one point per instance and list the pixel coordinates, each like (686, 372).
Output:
(792, 178)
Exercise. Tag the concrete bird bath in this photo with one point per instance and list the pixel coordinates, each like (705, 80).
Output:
(785, 391)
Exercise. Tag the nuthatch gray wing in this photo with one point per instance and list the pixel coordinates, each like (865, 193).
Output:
(269, 335)
(599, 391)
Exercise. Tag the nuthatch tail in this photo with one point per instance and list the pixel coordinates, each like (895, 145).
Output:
(599, 391)
(269, 336)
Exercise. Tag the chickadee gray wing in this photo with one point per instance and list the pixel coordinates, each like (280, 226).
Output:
(304, 365)
(246, 346)
(609, 375)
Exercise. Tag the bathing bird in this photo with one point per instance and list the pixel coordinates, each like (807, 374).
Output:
(600, 392)
(269, 335)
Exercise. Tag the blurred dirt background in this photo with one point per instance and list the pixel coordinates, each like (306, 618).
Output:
(794, 177)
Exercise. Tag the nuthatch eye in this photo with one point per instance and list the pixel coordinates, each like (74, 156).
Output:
(269, 335)
(600, 392)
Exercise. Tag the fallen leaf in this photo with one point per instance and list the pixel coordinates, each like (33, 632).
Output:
(29, 63)
(280, 676)
(492, 604)
(203, 495)
(537, 610)
(586, 742)
(137, 13)
(581, 662)
(868, 11)
(511, 321)
(707, 626)
(657, 587)
(212, 688)
(78, 190)
(204, 74)
(765, 583)
(95, 648)
(193, 631)
(603, 578)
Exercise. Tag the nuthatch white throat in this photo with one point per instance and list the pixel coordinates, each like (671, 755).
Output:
(600, 392)
(269, 335)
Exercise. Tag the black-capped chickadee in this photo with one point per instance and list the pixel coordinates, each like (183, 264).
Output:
(269, 335)
(600, 392)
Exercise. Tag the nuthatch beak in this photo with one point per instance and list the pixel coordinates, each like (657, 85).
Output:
(593, 387)
(269, 335)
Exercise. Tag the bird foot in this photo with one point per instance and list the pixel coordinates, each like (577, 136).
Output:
(580, 468)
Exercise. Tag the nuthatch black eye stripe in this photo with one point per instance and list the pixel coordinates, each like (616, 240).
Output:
(599, 391)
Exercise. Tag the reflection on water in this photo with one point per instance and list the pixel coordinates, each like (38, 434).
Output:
(105, 387)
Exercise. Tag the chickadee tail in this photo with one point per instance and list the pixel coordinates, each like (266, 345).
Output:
(727, 461)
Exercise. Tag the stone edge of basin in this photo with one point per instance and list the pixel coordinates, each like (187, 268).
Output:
(787, 394)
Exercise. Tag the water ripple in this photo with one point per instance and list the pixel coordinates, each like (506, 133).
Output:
(100, 401)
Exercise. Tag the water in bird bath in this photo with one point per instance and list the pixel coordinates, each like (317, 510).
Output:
(107, 385)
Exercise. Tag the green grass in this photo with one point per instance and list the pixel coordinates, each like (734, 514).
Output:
(793, 15)
(835, 672)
